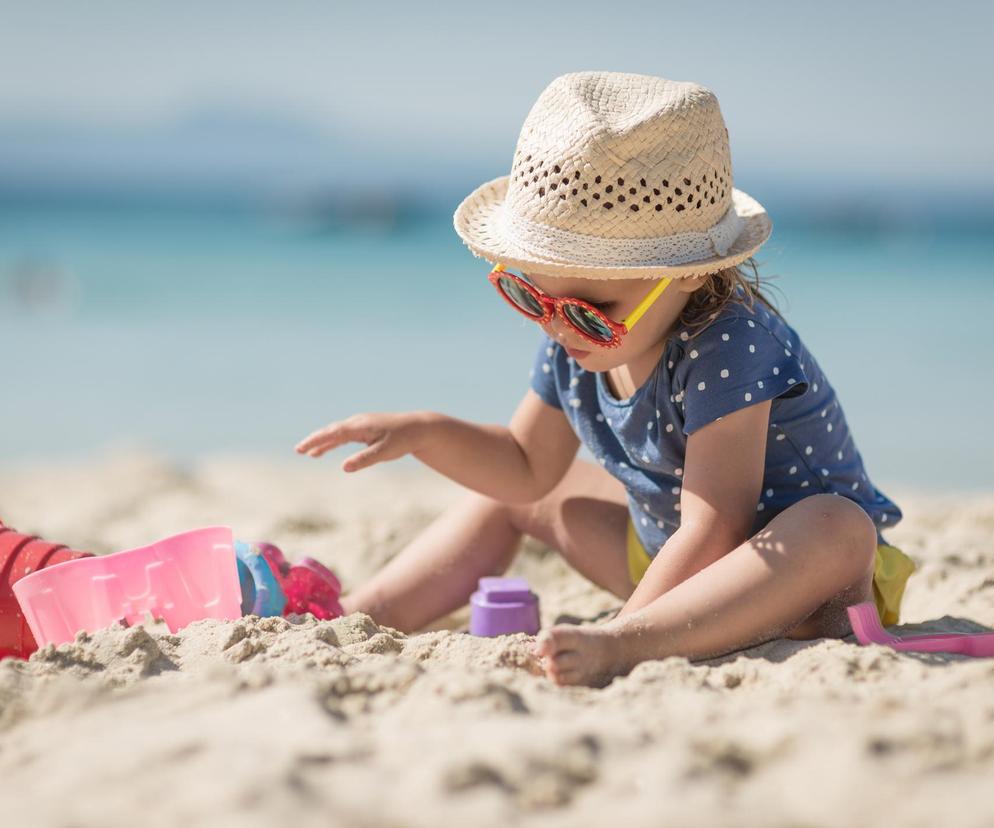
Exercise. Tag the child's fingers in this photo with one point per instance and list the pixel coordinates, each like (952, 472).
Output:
(318, 451)
(327, 438)
(366, 457)
(316, 438)
(326, 445)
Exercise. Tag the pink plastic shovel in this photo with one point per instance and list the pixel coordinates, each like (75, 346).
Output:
(866, 624)
(180, 579)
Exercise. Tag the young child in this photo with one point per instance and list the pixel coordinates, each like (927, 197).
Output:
(728, 504)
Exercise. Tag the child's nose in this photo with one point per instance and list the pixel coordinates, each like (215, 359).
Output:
(556, 328)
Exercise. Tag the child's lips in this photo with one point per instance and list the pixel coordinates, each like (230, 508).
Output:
(577, 354)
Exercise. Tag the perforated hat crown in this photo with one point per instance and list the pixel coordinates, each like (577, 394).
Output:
(614, 176)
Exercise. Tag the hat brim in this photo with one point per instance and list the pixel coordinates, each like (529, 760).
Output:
(476, 220)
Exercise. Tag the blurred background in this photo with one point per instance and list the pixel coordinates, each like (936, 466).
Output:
(224, 224)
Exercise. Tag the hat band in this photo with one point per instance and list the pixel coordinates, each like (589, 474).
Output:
(594, 251)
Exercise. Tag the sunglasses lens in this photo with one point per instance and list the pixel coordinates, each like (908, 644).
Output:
(588, 322)
(521, 297)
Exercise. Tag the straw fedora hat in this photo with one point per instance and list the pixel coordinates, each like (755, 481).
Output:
(617, 176)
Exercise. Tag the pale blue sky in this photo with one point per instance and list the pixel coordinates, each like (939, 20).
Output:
(888, 92)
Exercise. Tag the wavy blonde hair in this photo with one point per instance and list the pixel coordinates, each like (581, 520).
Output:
(718, 290)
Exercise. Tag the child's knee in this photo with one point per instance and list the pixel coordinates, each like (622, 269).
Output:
(846, 522)
(525, 517)
(516, 514)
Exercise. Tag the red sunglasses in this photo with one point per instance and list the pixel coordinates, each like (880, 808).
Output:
(588, 321)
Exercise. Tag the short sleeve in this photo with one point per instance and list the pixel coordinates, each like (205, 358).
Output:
(734, 363)
(543, 373)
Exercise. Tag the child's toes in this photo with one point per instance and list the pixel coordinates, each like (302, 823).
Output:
(565, 668)
(566, 660)
(556, 669)
(566, 637)
(564, 665)
(565, 677)
(546, 643)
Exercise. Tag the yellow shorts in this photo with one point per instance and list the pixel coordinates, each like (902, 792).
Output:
(891, 570)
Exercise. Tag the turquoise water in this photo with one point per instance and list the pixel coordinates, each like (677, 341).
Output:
(195, 332)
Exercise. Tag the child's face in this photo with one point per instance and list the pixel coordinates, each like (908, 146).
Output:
(617, 298)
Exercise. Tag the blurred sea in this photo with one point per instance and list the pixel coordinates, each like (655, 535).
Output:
(237, 330)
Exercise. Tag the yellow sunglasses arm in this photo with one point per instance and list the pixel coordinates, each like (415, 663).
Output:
(630, 320)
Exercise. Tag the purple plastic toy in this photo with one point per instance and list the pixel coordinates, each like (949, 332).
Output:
(502, 606)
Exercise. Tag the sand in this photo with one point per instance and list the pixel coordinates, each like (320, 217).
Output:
(299, 722)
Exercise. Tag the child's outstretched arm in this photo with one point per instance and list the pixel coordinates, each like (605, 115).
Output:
(518, 463)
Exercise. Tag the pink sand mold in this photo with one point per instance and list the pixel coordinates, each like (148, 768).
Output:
(180, 579)
(865, 620)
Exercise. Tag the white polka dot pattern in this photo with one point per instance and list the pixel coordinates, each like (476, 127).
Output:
(739, 360)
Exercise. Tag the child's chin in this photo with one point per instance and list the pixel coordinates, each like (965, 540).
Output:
(590, 362)
(593, 361)
(585, 356)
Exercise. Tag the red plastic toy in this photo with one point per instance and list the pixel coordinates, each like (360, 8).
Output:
(20, 555)
(309, 585)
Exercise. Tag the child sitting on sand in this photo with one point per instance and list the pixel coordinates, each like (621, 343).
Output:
(728, 504)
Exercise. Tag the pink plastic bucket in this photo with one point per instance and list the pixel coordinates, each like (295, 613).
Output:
(180, 579)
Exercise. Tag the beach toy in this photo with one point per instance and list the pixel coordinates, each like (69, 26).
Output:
(502, 606)
(274, 555)
(311, 587)
(307, 586)
(180, 579)
(261, 591)
(20, 555)
(865, 620)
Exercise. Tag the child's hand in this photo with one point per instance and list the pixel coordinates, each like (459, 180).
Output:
(388, 436)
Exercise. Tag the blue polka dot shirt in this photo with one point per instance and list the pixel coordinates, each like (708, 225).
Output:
(741, 358)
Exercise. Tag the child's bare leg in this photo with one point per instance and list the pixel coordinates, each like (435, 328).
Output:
(809, 563)
(584, 517)
(438, 570)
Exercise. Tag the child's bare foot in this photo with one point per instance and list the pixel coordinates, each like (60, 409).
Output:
(590, 655)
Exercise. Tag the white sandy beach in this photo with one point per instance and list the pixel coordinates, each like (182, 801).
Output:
(297, 722)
